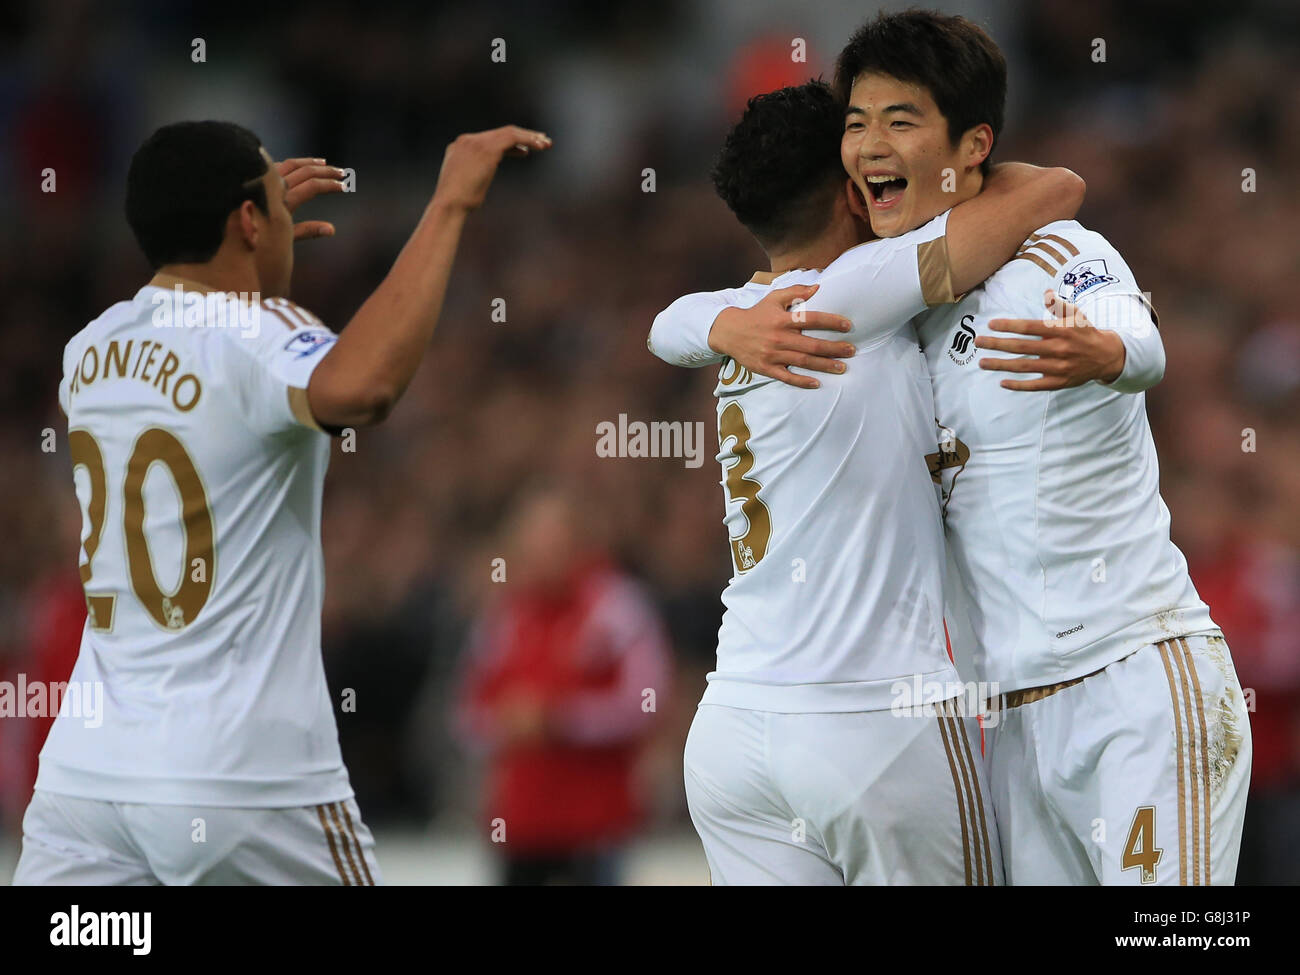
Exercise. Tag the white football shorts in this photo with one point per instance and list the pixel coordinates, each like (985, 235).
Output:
(1136, 774)
(864, 797)
(90, 842)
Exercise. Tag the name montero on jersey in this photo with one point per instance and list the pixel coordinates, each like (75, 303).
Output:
(113, 364)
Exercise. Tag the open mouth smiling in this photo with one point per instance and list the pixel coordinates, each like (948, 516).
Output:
(885, 189)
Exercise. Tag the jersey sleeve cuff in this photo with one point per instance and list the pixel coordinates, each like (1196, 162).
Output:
(300, 407)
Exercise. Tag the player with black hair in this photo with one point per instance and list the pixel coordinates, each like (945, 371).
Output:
(196, 413)
(1119, 745)
(829, 747)
(184, 181)
(956, 63)
(774, 172)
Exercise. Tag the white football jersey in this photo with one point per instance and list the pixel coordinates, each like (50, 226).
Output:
(836, 601)
(1051, 500)
(200, 486)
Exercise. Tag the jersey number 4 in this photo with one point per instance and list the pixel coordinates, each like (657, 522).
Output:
(1140, 848)
(747, 550)
(175, 610)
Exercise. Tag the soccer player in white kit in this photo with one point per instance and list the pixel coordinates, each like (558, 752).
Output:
(1119, 749)
(196, 414)
(828, 747)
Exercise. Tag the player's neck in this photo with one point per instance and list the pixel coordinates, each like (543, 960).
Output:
(818, 253)
(206, 277)
(968, 187)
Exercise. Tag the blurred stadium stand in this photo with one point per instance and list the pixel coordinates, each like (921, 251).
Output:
(1189, 96)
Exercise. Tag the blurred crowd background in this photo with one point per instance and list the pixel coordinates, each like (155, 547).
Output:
(492, 453)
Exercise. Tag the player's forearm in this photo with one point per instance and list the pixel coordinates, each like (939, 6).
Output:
(986, 231)
(1143, 362)
(378, 352)
(680, 333)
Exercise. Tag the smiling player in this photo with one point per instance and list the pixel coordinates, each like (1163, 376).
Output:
(1121, 752)
(801, 765)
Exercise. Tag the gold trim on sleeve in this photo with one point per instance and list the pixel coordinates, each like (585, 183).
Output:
(1029, 256)
(936, 272)
(301, 408)
(1074, 251)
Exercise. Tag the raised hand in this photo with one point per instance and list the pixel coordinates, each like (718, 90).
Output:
(471, 161)
(307, 179)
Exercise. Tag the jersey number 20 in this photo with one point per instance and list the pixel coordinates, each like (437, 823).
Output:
(175, 610)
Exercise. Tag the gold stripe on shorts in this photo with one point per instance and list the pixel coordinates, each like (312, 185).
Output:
(954, 731)
(361, 854)
(343, 841)
(979, 803)
(1193, 761)
(1163, 647)
(1205, 757)
(957, 791)
(334, 850)
(1193, 767)
(975, 799)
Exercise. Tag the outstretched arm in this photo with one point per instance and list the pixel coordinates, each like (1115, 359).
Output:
(980, 235)
(767, 338)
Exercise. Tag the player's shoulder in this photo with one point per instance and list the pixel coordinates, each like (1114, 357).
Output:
(1064, 256)
(113, 317)
(287, 317)
(882, 249)
(279, 325)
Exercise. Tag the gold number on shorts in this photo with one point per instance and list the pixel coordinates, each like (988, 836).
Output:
(1140, 847)
(155, 446)
(747, 550)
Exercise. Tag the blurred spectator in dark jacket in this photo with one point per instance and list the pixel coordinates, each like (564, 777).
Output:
(563, 678)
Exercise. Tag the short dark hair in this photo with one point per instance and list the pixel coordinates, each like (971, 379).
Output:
(780, 168)
(183, 183)
(958, 63)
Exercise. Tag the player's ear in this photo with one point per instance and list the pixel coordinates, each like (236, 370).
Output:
(857, 205)
(244, 223)
(976, 144)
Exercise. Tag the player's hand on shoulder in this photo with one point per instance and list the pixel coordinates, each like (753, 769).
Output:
(769, 338)
(1063, 346)
(471, 161)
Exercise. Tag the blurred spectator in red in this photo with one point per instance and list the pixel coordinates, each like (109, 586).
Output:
(58, 617)
(563, 678)
(41, 635)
